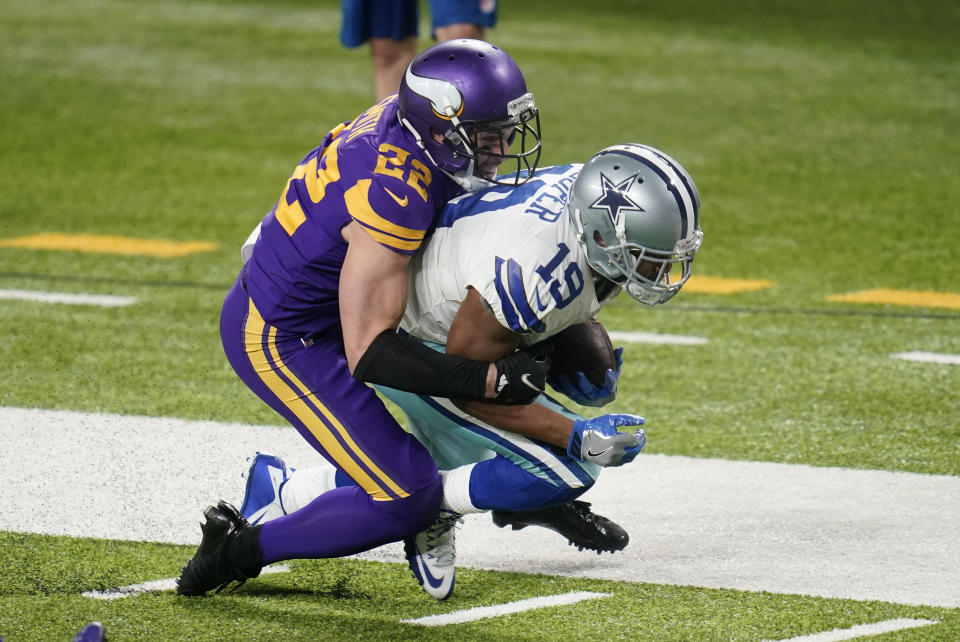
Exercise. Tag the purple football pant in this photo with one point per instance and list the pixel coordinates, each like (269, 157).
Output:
(398, 487)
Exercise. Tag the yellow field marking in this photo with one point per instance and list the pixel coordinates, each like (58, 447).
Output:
(901, 297)
(719, 285)
(108, 244)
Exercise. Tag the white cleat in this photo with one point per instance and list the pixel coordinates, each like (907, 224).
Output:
(432, 554)
(265, 478)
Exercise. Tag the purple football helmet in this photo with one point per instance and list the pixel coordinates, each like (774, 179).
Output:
(472, 96)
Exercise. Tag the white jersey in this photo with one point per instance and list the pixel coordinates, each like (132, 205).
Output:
(517, 248)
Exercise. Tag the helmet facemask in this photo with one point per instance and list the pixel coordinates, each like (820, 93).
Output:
(479, 141)
(650, 276)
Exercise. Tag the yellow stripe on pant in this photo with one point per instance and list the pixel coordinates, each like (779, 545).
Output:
(346, 460)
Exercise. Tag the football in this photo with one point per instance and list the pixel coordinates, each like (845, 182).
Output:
(585, 346)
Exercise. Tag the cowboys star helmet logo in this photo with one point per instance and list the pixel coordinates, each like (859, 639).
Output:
(615, 197)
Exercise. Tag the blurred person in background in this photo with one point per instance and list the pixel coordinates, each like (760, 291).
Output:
(392, 28)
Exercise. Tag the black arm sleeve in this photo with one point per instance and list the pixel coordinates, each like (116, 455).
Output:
(397, 361)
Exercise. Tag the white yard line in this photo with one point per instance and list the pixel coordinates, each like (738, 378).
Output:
(37, 296)
(482, 612)
(829, 532)
(167, 584)
(650, 337)
(862, 630)
(928, 357)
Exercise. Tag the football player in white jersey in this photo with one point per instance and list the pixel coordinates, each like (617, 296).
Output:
(505, 268)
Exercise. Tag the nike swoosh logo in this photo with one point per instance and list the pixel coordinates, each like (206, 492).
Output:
(525, 378)
(540, 304)
(402, 202)
(590, 453)
(425, 572)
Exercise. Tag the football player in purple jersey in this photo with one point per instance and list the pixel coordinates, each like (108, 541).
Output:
(312, 317)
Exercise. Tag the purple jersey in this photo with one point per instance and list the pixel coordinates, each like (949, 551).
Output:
(369, 171)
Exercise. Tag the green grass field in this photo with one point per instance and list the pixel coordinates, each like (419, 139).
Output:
(823, 139)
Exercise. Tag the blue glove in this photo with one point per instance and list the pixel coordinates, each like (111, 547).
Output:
(597, 440)
(580, 389)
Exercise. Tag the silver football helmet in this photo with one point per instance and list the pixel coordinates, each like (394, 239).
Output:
(637, 214)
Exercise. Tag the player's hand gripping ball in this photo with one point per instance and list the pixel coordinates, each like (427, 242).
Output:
(584, 365)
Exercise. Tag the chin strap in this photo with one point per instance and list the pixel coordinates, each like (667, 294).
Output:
(467, 180)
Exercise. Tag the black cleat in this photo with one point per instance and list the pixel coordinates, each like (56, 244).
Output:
(574, 520)
(211, 567)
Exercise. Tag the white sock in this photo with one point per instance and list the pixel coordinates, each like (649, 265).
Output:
(456, 490)
(306, 484)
